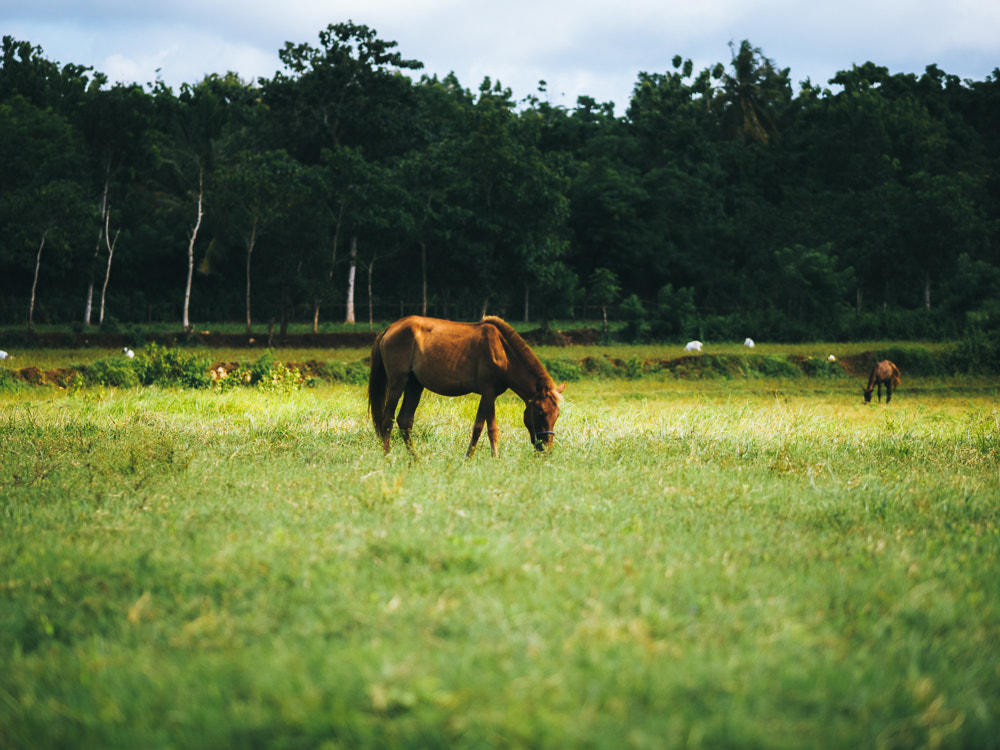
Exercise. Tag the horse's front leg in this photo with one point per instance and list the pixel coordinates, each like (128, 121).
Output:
(486, 414)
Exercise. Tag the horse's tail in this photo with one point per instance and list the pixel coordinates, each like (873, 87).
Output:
(895, 377)
(378, 386)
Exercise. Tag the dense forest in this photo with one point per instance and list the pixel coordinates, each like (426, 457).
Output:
(722, 203)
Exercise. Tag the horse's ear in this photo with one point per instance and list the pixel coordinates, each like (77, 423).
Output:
(561, 388)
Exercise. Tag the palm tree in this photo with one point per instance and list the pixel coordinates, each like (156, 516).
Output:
(749, 96)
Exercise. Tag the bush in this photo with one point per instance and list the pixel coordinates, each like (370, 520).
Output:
(352, 373)
(636, 328)
(600, 366)
(822, 368)
(266, 373)
(977, 353)
(156, 365)
(111, 372)
(561, 369)
(9, 383)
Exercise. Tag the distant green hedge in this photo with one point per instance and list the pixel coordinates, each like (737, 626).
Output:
(978, 353)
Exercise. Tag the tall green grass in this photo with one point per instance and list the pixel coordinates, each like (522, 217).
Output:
(767, 563)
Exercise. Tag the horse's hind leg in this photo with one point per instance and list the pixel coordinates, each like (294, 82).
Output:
(411, 399)
(395, 392)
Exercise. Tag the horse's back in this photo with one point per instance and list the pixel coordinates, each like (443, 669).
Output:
(886, 371)
(444, 355)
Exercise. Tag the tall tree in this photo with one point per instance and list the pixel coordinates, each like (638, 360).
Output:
(116, 124)
(347, 92)
(41, 204)
(254, 192)
(751, 95)
(193, 123)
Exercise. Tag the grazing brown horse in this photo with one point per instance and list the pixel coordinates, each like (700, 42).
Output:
(453, 359)
(884, 372)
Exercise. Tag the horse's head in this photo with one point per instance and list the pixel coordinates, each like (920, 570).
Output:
(868, 394)
(540, 415)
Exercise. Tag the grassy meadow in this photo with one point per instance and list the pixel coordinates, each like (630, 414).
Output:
(752, 563)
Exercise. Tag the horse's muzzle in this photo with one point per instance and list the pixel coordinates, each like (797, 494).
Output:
(543, 440)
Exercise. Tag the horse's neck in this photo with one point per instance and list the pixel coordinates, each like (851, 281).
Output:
(522, 376)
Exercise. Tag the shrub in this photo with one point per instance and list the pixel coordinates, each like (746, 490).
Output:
(156, 365)
(636, 328)
(770, 366)
(976, 353)
(822, 368)
(266, 373)
(561, 369)
(600, 366)
(675, 315)
(8, 382)
(111, 372)
(352, 373)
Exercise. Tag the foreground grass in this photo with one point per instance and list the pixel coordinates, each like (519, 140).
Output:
(760, 564)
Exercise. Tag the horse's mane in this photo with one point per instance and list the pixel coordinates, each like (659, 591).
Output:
(518, 344)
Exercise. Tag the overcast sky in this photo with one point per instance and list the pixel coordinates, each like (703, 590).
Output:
(579, 47)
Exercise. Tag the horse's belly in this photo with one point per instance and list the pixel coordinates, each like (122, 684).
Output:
(445, 383)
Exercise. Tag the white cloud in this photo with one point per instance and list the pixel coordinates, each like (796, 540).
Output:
(587, 47)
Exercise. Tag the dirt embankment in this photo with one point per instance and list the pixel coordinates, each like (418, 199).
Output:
(262, 340)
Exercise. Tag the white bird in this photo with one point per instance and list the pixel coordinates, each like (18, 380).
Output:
(693, 346)
(831, 358)
(748, 343)
(128, 352)
(3, 354)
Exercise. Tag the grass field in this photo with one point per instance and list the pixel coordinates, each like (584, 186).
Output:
(723, 563)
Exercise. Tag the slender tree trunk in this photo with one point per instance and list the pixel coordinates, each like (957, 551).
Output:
(927, 290)
(250, 242)
(350, 281)
(423, 274)
(333, 266)
(34, 283)
(526, 300)
(371, 313)
(102, 234)
(860, 296)
(107, 272)
(190, 273)
(286, 304)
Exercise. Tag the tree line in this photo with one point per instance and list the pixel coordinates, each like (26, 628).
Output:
(721, 203)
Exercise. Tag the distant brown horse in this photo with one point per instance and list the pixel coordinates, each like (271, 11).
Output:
(884, 372)
(453, 359)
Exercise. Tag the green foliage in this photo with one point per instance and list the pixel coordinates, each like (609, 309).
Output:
(977, 353)
(166, 367)
(8, 382)
(114, 372)
(636, 328)
(818, 367)
(265, 373)
(351, 373)
(675, 316)
(721, 205)
(563, 370)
